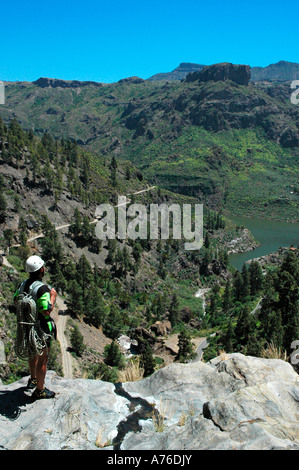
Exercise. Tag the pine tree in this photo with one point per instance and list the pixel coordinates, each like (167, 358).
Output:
(174, 309)
(158, 307)
(245, 289)
(275, 333)
(75, 298)
(227, 297)
(136, 252)
(113, 355)
(212, 310)
(147, 360)
(224, 257)
(237, 285)
(48, 174)
(114, 323)
(9, 236)
(51, 248)
(77, 341)
(207, 240)
(57, 277)
(76, 226)
(126, 259)
(3, 207)
(290, 264)
(207, 258)
(228, 339)
(162, 272)
(128, 173)
(112, 244)
(245, 326)
(288, 305)
(94, 307)
(279, 315)
(86, 231)
(255, 277)
(185, 352)
(113, 163)
(84, 275)
(85, 171)
(113, 167)
(113, 177)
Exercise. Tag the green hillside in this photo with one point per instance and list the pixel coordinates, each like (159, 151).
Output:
(51, 188)
(232, 146)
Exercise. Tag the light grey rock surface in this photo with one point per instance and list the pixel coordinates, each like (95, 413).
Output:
(81, 410)
(241, 403)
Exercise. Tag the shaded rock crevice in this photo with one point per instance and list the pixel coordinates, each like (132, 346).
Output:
(140, 410)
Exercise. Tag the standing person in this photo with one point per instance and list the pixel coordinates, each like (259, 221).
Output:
(45, 299)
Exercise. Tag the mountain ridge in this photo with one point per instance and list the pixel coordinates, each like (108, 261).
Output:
(176, 131)
(281, 71)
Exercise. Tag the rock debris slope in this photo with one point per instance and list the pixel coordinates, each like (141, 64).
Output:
(240, 402)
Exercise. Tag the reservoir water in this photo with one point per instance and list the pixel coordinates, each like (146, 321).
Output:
(271, 234)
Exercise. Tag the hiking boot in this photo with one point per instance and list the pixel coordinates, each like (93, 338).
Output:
(44, 393)
(32, 383)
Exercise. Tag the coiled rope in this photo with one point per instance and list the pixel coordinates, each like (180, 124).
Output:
(31, 339)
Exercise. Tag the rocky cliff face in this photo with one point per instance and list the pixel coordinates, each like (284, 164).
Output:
(239, 74)
(236, 402)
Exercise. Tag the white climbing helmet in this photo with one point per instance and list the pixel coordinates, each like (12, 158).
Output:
(33, 263)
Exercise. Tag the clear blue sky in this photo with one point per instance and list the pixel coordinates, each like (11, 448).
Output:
(109, 40)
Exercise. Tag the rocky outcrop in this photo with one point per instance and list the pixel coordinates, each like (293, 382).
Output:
(44, 82)
(239, 74)
(235, 402)
(274, 259)
(130, 80)
(161, 328)
(244, 242)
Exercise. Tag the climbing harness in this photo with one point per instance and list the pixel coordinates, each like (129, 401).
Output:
(31, 339)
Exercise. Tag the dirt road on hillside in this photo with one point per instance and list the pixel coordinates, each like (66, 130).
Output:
(60, 320)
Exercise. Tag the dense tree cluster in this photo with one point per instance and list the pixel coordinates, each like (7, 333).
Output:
(83, 232)
(50, 164)
(247, 329)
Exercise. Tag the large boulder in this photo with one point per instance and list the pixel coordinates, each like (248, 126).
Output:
(161, 328)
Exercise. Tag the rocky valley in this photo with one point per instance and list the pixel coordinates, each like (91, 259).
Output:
(204, 136)
(159, 347)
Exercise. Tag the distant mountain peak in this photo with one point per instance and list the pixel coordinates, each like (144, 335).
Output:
(280, 71)
(178, 73)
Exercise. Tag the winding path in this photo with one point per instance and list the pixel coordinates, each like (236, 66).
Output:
(60, 227)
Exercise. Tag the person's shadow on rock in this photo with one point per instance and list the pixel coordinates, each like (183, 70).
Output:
(12, 401)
